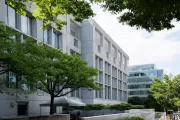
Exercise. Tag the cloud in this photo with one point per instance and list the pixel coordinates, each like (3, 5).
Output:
(141, 46)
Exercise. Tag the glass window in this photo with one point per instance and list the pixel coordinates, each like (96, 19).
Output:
(11, 17)
(75, 42)
(24, 24)
(98, 38)
(45, 32)
(12, 80)
(113, 51)
(55, 41)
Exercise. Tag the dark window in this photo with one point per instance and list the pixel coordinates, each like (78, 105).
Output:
(22, 108)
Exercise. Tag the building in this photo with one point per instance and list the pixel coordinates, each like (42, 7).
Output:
(140, 79)
(87, 39)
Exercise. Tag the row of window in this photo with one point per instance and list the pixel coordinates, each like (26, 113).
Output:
(109, 48)
(116, 94)
(26, 24)
(137, 80)
(115, 72)
(139, 86)
(140, 92)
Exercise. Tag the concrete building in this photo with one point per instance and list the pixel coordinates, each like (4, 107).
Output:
(87, 39)
(140, 79)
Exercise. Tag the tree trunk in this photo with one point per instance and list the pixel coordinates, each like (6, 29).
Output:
(52, 110)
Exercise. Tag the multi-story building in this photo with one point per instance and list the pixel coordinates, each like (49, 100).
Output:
(140, 79)
(87, 39)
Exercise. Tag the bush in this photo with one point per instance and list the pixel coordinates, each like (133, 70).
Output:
(131, 118)
(122, 106)
(135, 100)
(95, 107)
(137, 106)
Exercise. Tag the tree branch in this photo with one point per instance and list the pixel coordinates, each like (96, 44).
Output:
(67, 92)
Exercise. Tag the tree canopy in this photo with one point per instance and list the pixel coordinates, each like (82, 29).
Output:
(152, 15)
(166, 92)
(45, 68)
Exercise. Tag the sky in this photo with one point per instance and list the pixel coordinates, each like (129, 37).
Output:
(160, 48)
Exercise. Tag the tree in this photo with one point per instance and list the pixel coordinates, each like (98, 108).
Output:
(152, 15)
(49, 10)
(62, 74)
(147, 14)
(135, 100)
(166, 92)
(151, 102)
(14, 57)
(43, 67)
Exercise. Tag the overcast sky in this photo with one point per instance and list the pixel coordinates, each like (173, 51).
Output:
(161, 48)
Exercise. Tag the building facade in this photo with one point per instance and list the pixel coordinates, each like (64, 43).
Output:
(87, 39)
(140, 79)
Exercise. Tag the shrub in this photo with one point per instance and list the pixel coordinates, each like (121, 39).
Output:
(94, 107)
(122, 106)
(137, 106)
(131, 118)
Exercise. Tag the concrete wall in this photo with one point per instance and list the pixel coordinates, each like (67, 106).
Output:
(145, 113)
(52, 117)
(106, 117)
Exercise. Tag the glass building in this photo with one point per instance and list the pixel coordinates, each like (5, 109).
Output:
(140, 79)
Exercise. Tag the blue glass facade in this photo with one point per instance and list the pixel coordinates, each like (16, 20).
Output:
(140, 79)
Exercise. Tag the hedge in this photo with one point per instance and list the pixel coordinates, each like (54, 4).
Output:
(121, 106)
(131, 118)
(137, 106)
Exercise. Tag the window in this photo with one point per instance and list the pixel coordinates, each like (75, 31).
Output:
(98, 38)
(55, 40)
(107, 92)
(45, 33)
(72, 33)
(100, 77)
(99, 48)
(114, 51)
(22, 108)
(75, 93)
(107, 45)
(119, 56)
(114, 93)
(75, 42)
(11, 17)
(26, 25)
(99, 93)
(12, 83)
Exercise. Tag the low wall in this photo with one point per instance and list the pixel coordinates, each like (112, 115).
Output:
(150, 114)
(106, 117)
(45, 117)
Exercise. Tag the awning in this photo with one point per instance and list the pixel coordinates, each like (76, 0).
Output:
(64, 101)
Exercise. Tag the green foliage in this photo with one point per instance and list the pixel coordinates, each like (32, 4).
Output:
(167, 92)
(131, 118)
(122, 106)
(135, 100)
(147, 14)
(151, 102)
(43, 67)
(137, 106)
(49, 10)
(94, 107)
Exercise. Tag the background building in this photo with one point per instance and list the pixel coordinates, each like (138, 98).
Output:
(140, 79)
(87, 39)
